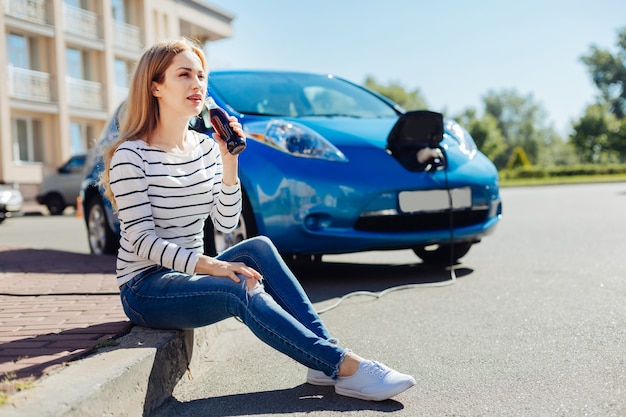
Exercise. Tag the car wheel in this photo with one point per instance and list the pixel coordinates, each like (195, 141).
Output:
(102, 240)
(444, 253)
(55, 203)
(216, 242)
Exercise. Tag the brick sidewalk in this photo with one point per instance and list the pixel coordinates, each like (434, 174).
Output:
(54, 307)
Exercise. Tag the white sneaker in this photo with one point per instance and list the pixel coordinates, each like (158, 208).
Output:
(374, 381)
(315, 377)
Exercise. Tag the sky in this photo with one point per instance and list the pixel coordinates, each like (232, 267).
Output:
(454, 52)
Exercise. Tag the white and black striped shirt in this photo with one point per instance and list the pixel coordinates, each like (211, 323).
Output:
(163, 200)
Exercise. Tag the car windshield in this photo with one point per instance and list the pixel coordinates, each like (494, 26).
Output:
(296, 95)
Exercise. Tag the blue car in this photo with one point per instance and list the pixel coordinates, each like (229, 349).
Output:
(331, 167)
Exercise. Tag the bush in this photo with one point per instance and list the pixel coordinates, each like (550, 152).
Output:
(563, 171)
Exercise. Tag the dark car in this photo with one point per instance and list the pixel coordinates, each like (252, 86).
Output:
(60, 189)
(332, 167)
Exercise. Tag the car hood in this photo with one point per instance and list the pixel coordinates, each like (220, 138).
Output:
(342, 131)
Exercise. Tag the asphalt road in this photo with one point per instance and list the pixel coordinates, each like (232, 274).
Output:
(533, 325)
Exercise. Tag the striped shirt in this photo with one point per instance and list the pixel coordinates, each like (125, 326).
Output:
(163, 200)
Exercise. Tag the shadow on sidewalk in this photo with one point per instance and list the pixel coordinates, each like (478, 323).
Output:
(54, 262)
(33, 356)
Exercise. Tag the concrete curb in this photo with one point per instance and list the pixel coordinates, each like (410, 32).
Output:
(130, 379)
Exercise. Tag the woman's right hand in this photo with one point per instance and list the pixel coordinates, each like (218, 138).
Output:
(217, 268)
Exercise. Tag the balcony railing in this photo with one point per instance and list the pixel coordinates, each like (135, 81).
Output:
(31, 10)
(127, 37)
(26, 84)
(84, 94)
(81, 22)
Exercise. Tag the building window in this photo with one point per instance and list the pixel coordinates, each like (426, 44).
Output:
(80, 132)
(17, 47)
(119, 10)
(75, 63)
(27, 140)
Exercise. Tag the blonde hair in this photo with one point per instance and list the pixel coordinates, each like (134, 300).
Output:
(143, 119)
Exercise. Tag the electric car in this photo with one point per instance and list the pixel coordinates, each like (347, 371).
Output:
(332, 167)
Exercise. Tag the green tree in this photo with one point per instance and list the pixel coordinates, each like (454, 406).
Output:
(485, 132)
(522, 121)
(409, 99)
(608, 72)
(600, 135)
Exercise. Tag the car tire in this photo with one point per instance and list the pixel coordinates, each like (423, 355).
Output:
(102, 239)
(216, 242)
(442, 254)
(55, 204)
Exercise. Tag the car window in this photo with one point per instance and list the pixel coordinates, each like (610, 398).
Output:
(296, 95)
(74, 165)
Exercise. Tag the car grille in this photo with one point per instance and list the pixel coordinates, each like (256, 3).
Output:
(414, 222)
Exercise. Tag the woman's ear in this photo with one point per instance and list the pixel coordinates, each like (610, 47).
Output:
(155, 89)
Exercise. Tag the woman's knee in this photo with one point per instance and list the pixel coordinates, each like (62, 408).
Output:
(262, 244)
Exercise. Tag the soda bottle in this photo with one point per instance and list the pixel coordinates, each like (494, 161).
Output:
(219, 119)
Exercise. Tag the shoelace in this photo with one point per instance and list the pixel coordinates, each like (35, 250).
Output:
(376, 369)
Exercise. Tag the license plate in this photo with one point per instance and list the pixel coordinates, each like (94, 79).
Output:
(434, 200)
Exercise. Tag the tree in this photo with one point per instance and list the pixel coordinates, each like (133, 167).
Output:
(597, 134)
(600, 135)
(608, 72)
(522, 121)
(410, 100)
(485, 132)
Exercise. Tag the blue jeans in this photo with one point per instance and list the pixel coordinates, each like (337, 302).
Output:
(278, 312)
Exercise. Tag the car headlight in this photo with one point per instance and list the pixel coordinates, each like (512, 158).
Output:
(463, 137)
(5, 196)
(299, 140)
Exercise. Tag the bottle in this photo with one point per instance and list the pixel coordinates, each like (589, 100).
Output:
(219, 119)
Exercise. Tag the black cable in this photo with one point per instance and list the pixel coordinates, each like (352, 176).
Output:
(452, 279)
(451, 219)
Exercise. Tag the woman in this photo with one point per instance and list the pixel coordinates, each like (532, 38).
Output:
(164, 180)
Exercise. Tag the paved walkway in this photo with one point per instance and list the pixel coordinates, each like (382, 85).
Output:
(54, 307)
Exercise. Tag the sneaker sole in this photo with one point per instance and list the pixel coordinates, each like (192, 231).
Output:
(379, 396)
(322, 382)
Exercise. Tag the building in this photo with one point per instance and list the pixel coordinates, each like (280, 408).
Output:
(65, 65)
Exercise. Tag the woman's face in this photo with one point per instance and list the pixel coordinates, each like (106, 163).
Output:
(184, 86)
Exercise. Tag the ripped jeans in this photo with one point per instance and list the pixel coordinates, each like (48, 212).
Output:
(278, 311)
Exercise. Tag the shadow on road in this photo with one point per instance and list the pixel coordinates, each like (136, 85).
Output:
(325, 280)
(304, 398)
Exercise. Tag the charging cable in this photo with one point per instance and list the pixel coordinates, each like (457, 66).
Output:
(446, 283)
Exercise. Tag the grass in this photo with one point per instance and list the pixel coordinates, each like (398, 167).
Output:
(10, 385)
(106, 343)
(575, 179)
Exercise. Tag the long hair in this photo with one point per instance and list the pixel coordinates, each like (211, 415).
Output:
(140, 113)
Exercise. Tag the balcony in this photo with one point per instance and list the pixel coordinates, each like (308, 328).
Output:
(26, 84)
(84, 94)
(30, 10)
(81, 22)
(127, 37)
